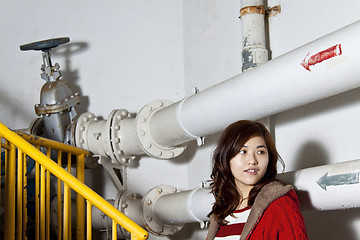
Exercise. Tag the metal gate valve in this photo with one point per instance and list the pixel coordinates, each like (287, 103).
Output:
(57, 100)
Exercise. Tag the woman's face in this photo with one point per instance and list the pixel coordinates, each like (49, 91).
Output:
(249, 166)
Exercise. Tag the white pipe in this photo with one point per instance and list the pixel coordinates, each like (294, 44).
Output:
(99, 220)
(320, 69)
(329, 187)
(184, 207)
(254, 52)
(289, 81)
(165, 210)
(114, 137)
(275, 86)
(252, 16)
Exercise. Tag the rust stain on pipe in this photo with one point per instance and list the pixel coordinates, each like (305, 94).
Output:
(252, 9)
(273, 11)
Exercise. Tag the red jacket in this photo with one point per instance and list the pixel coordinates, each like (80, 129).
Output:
(281, 220)
(275, 215)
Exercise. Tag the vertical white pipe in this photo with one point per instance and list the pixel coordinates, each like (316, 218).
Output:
(252, 16)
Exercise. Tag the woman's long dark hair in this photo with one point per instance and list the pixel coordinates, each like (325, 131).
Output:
(227, 197)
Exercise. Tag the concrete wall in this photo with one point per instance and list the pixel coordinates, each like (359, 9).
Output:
(124, 54)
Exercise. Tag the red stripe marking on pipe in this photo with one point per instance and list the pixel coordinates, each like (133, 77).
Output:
(321, 56)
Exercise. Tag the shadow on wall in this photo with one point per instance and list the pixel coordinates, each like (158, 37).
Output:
(311, 154)
(332, 225)
(14, 108)
(329, 104)
(71, 75)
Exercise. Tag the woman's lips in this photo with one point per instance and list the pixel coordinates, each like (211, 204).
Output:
(251, 171)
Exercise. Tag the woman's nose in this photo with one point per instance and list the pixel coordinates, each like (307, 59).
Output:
(252, 159)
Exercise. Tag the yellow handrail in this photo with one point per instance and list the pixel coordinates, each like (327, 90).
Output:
(44, 142)
(137, 233)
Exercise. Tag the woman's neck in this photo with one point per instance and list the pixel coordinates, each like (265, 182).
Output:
(243, 204)
(244, 193)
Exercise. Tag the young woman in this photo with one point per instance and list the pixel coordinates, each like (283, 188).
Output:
(249, 202)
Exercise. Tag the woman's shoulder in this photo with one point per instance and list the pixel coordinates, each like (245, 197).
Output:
(286, 203)
(281, 216)
(274, 190)
(266, 197)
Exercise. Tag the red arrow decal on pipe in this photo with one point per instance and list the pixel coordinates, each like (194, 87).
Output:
(321, 56)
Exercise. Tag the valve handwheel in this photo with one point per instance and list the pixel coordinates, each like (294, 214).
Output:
(44, 45)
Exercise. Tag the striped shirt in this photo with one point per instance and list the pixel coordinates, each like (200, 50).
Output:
(235, 226)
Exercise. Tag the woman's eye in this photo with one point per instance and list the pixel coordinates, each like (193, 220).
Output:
(261, 152)
(242, 151)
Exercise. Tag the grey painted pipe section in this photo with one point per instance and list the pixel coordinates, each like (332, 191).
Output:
(254, 50)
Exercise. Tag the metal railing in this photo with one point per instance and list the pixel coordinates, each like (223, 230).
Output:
(18, 148)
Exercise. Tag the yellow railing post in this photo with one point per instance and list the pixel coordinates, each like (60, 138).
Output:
(25, 213)
(47, 206)
(88, 220)
(59, 199)
(10, 194)
(1, 145)
(80, 202)
(19, 194)
(42, 202)
(114, 230)
(37, 199)
(66, 213)
(69, 197)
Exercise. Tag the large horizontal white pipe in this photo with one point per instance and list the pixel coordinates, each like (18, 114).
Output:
(328, 187)
(275, 86)
(191, 206)
(320, 69)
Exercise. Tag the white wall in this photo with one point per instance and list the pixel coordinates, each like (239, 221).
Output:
(124, 54)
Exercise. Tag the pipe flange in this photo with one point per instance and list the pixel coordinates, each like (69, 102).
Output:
(122, 202)
(151, 223)
(82, 126)
(114, 124)
(67, 103)
(148, 145)
(107, 134)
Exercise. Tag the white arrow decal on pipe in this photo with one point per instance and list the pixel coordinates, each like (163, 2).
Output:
(337, 180)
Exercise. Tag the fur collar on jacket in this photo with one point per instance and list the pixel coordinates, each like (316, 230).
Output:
(269, 193)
